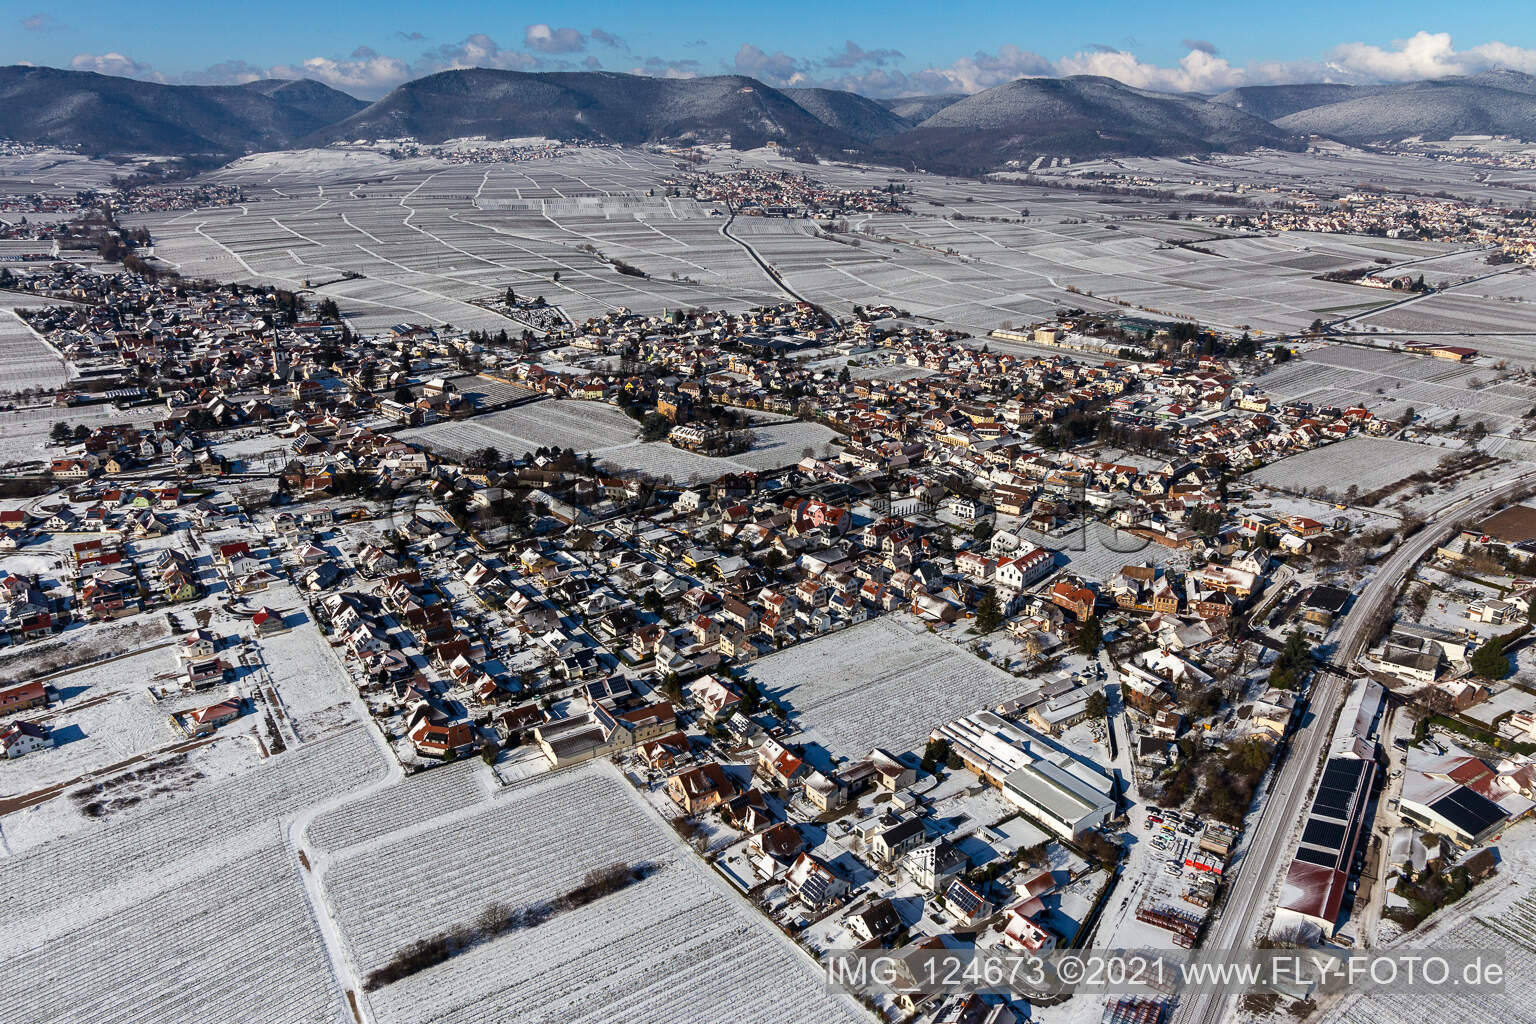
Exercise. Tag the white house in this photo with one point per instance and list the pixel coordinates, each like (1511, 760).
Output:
(20, 738)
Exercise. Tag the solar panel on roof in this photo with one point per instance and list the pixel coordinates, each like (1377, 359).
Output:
(1468, 810)
(1327, 834)
(1334, 770)
(1343, 772)
(1335, 803)
(1324, 858)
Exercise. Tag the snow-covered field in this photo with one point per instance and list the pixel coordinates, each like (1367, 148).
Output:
(108, 717)
(235, 943)
(424, 238)
(433, 793)
(1498, 920)
(308, 674)
(609, 435)
(190, 911)
(676, 947)
(1391, 383)
(28, 362)
(582, 426)
(885, 682)
(24, 432)
(1369, 462)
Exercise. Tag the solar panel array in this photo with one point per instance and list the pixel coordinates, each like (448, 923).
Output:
(1328, 835)
(1336, 791)
(1468, 810)
(1341, 795)
(1322, 858)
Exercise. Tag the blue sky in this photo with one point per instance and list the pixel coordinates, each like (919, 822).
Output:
(881, 48)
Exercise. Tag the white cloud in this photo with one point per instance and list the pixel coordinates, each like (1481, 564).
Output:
(776, 69)
(1426, 55)
(1197, 71)
(229, 72)
(1203, 70)
(657, 67)
(984, 70)
(852, 55)
(476, 51)
(369, 74)
(873, 72)
(543, 39)
(114, 63)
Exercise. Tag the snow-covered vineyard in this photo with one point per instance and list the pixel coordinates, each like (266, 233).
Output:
(627, 954)
(192, 911)
(882, 683)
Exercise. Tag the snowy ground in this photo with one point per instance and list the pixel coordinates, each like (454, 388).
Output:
(1498, 916)
(607, 958)
(189, 911)
(609, 435)
(1368, 462)
(28, 362)
(885, 682)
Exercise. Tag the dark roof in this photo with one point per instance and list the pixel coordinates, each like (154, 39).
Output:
(1468, 810)
(963, 898)
(1513, 525)
(880, 917)
(1326, 598)
(1323, 833)
(903, 831)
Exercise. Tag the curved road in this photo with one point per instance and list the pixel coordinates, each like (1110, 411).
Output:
(1266, 845)
(773, 275)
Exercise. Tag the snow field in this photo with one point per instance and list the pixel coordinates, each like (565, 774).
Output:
(28, 362)
(609, 435)
(884, 682)
(669, 950)
(236, 943)
(528, 846)
(1370, 462)
(436, 792)
(569, 423)
(62, 886)
(678, 946)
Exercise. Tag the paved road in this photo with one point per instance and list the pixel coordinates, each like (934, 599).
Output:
(1268, 841)
(1416, 296)
(773, 275)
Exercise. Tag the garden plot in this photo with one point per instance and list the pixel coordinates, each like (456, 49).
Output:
(583, 965)
(24, 432)
(430, 794)
(307, 673)
(1368, 462)
(882, 683)
(108, 719)
(236, 942)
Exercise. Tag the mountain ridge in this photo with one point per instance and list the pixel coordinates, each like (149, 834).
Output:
(104, 114)
(1078, 117)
